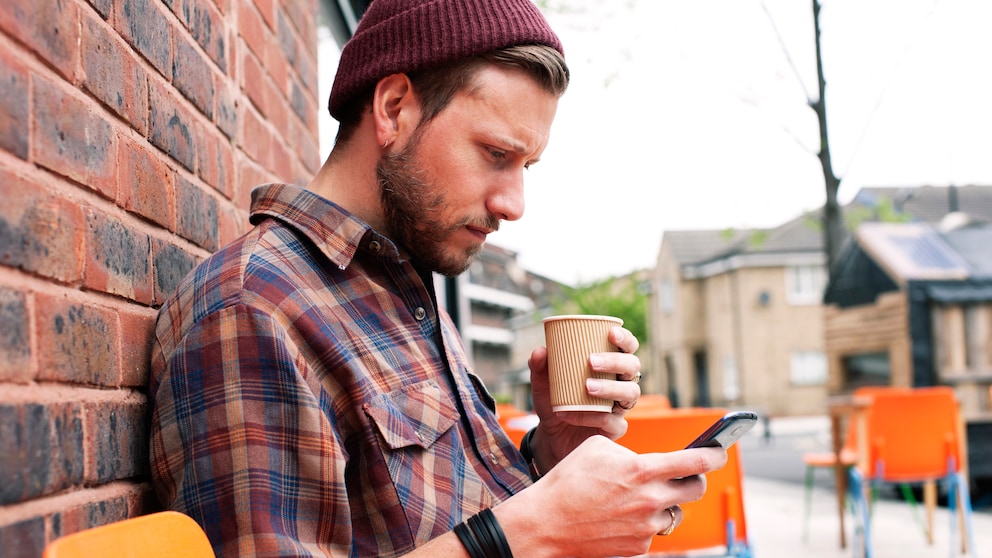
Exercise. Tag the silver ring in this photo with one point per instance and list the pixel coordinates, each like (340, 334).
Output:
(624, 407)
(668, 531)
(637, 378)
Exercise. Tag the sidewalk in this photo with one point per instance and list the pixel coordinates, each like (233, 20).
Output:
(774, 499)
(775, 522)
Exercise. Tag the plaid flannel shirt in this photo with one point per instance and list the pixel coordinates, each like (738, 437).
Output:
(302, 404)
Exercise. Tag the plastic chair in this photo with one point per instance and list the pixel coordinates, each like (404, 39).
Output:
(165, 534)
(515, 422)
(715, 524)
(913, 436)
(848, 457)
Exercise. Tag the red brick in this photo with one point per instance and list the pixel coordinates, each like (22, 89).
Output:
(303, 106)
(281, 161)
(286, 37)
(302, 13)
(224, 6)
(275, 64)
(207, 27)
(252, 28)
(116, 434)
(117, 258)
(76, 343)
(267, 9)
(15, 337)
(70, 138)
(215, 160)
(39, 232)
(196, 218)
(137, 331)
(42, 449)
(227, 110)
(256, 138)
(103, 7)
(145, 26)
(210, 165)
(89, 515)
(305, 144)
(113, 75)
(146, 184)
(13, 105)
(250, 176)
(171, 125)
(24, 539)
(192, 76)
(254, 82)
(172, 263)
(232, 224)
(49, 28)
(306, 68)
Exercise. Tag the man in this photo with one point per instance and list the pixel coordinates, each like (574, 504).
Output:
(309, 397)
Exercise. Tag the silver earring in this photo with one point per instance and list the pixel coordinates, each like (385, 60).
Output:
(385, 144)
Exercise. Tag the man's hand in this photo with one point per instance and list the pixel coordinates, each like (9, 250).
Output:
(559, 433)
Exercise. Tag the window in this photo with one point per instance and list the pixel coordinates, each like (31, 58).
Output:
(666, 295)
(809, 368)
(804, 284)
(866, 369)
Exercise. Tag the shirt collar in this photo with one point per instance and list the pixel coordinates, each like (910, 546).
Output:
(338, 234)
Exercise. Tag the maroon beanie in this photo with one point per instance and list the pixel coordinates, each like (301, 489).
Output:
(402, 36)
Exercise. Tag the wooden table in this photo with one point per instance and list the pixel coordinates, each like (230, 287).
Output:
(845, 407)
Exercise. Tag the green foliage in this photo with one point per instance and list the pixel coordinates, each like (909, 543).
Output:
(623, 297)
(884, 212)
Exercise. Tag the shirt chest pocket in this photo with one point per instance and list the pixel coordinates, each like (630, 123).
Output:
(415, 415)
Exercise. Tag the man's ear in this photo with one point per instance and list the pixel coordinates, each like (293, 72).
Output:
(395, 109)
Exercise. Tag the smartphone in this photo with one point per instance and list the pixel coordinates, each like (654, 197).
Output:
(726, 431)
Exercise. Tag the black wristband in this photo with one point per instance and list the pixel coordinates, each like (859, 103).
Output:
(482, 533)
(488, 519)
(528, 453)
(469, 542)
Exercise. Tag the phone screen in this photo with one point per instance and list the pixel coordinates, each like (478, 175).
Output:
(725, 431)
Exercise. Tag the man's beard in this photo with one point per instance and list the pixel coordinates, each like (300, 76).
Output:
(412, 205)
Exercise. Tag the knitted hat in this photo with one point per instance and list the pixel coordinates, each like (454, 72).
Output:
(402, 36)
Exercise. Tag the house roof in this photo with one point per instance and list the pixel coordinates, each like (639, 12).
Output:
(803, 234)
(930, 204)
(954, 263)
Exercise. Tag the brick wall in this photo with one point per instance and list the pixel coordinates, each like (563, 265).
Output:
(131, 133)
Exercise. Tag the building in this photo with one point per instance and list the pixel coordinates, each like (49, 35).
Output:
(910, 304)
(737, 317)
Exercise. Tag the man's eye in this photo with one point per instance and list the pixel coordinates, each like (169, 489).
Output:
(497, 154)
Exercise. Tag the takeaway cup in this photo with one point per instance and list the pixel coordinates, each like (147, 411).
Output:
(571, 339)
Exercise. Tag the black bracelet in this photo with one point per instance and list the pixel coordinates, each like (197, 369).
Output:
(483, 537)
(488, 519)
(489, 545)
(528, 453)
(469, 542)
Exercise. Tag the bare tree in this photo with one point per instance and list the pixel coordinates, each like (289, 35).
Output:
(833, 222)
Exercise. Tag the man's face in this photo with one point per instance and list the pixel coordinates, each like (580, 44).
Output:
(462, 173)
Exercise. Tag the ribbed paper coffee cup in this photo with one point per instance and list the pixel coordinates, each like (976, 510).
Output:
(571, 339)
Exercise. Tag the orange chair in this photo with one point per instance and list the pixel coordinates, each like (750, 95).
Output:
(913, 436)
(653, 401)
(848, 458)
(159, 535)
(515, 422)
(714, 523)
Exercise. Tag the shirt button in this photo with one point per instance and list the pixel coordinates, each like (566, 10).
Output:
(494, 458)
(420, 436)
(375, 246)
(419, 313)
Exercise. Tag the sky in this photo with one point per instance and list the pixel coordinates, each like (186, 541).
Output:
(693, 114)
